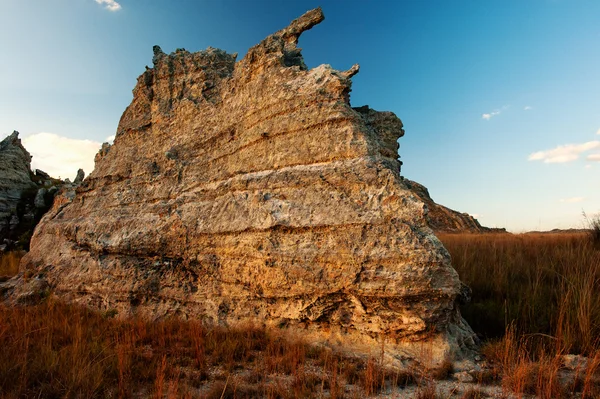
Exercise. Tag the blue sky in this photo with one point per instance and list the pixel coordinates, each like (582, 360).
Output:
(500, 99)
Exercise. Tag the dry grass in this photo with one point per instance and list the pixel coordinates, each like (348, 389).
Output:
(9, 263)
(473, 393)
(64, 351)
(593, 225)
(546, 284)
(535, 298)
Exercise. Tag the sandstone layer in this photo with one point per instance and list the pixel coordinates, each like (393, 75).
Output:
(253, 191)
(443, 219)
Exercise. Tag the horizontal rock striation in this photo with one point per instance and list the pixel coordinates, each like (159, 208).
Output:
(252, 190)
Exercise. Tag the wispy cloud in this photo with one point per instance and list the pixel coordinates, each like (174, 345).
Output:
(110, 139)
(110, 5)
(572, 200)
(564, 153)
(527, 108)
(489, 116)
(61, 156)
(594, 157)
(598, 132)
(495, 112)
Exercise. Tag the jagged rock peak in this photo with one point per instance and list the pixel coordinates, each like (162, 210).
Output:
(16, 190)
(13, 140)
(254, 191)
(24, 196)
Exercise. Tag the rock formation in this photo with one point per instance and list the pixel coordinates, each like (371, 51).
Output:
(253, 191)
(442, 219)
(15, 183)
(24, 196)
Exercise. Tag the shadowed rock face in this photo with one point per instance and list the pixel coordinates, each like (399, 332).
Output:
(24, 196)
(15, 186)
(254, 191)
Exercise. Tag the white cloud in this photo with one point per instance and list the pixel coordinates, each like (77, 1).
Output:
(527, 108)
(594, 157)
(598, 132)
(61, 156)
(476, 215)
(495, 112)
(110, 5)
(588, 166)
(573, 200)
(564, 153)
(489, 116)
(110, 139)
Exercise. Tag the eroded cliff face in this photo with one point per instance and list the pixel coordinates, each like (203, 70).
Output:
(252, 190)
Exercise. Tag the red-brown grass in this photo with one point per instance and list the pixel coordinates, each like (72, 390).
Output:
(9, 263)
(536, 298)
(545, 283)
(66, 351)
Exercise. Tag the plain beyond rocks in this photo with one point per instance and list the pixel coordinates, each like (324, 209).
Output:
(253, 191)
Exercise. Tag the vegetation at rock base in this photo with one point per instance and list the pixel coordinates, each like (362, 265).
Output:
(57, 350)
(535, 299)
(544, 284)
(9, 263)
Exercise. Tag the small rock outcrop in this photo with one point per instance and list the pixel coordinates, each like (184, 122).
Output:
(443, 219)
(253, 191)
(24, 196)
(15, 184)
(21, 199)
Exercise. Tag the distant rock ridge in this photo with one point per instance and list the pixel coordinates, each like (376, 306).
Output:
(24, 195)
(253, 191)
(443, 219)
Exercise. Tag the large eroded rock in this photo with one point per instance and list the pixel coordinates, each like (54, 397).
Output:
(253, 191)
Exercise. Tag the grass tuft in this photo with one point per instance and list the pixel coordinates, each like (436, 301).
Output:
(9, 263)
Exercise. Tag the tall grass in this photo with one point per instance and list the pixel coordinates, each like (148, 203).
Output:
(536, 297)
(547, 285)
(54, 350)
(593, 226)
(9, 263)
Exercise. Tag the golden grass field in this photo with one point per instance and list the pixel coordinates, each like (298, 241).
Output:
(536, 297)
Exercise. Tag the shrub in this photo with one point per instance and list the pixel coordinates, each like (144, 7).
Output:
(593, 226)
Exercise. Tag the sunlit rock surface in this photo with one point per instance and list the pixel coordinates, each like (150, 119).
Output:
(252, 190)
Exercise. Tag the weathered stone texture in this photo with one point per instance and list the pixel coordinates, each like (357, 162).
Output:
(16, 187)
(254, 191)
(24, 196)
